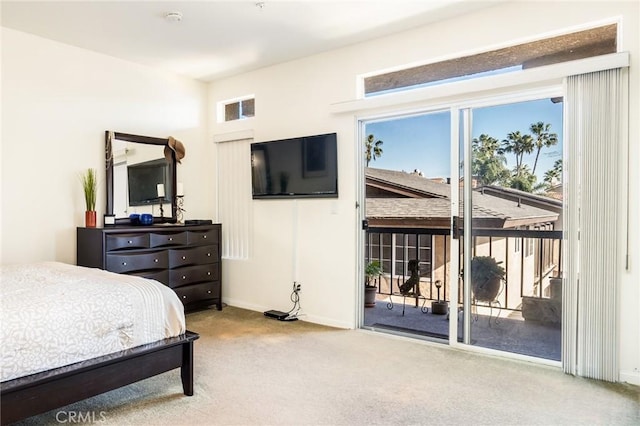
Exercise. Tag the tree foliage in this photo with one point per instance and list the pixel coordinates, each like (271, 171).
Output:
(543, 139)
(522, 179)
(519, 145)
(373, 148)
(554, 174)
(490, 163)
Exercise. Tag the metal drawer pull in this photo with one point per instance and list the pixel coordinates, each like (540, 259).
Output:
(184, 297)
(124, 263)
(184, 278)
(129, 242)
(208, 273)
(170, 238)
(208, 254)
(155, 260)
(209, 291)
(204, 236)
(184, 257)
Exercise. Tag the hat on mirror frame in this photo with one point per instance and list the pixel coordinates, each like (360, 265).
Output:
(176, 146)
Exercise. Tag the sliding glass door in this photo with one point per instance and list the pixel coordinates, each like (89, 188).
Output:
(467, 252)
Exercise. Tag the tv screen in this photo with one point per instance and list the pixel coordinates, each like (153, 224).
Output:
(301, 167)
(143, 179)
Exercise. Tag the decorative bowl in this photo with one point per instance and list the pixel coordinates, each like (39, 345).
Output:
(134, 218)
(146, 219)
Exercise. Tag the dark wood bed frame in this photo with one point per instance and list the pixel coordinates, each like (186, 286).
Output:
(38, 393)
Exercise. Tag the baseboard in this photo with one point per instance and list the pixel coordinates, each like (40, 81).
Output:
(304, 317)
(631, 377)
(327, 321)
(248, 306)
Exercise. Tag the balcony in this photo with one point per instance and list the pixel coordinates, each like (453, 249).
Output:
(523, 318)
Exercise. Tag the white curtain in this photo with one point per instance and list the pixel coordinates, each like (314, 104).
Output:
(596, 144)
(234, 197)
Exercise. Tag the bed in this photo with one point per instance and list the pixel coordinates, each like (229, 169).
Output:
(70, 332)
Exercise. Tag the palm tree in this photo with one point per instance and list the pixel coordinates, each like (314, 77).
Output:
(373, 148)
(543, 139)
(519, 145)
(555, 173)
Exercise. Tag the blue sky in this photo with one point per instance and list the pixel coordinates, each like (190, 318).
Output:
(422, 142)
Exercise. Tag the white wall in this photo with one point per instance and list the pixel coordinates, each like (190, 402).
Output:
(295, 98)
(57, 101)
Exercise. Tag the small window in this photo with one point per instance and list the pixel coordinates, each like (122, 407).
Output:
(237, 109)
(567, 47)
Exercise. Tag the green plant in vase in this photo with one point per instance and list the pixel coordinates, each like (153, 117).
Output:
(372, 271)
(90, 187)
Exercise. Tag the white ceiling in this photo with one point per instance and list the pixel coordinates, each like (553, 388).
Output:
(221, 38)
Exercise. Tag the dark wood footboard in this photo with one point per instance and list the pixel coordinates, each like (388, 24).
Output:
(38, 393)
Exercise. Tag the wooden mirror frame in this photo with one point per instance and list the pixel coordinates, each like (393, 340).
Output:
(148, 140)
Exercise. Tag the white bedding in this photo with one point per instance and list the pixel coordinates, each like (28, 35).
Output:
(54, 314)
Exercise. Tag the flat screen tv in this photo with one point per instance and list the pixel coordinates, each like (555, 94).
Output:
(143, 179)
(304, 167)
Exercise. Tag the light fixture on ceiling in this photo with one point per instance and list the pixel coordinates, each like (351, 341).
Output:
(173, 16)
(260, 5)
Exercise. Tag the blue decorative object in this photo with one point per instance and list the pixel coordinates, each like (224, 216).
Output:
(146, 219)
(134, 218)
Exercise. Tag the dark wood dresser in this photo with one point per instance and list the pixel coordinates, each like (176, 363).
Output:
(184, 257)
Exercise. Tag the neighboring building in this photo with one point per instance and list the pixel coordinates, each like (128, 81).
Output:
(548, 202)
(413, 216)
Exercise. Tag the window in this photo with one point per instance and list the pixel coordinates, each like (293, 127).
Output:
(236, 109)
(397, 250)
(553, 50)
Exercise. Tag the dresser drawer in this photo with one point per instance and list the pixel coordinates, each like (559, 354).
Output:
(127, 241)
(137, 262)
(161, 276)
(168, 239)
(199, 238)
(193, 274)
(193, 256)
(198, 292)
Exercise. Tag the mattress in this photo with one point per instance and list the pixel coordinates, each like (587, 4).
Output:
(54, 314)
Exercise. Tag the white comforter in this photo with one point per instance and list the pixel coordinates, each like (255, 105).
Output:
(54, 314)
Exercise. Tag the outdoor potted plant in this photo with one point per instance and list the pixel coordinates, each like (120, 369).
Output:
(89, 186)
(486, 275)
(372, 270)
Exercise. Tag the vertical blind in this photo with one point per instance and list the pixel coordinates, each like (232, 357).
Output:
(595, 142)
(234, 197)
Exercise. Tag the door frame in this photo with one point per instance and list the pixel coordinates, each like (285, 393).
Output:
(501, 97)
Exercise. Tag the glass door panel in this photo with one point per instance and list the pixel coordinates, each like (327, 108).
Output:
(408, 183)
(512, 227)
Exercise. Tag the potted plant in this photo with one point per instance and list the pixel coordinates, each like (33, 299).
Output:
(89, 186)
(372, 270)
(486, 275)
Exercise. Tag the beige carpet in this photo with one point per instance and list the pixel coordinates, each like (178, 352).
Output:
(251, 370)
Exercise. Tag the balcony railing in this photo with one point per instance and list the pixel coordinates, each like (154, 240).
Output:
(530, 258)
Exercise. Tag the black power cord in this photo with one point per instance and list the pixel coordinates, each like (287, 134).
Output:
(292, 315)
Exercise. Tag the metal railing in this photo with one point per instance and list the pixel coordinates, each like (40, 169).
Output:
(529, 257)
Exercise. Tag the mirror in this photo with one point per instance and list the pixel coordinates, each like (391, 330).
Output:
(139, 177)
